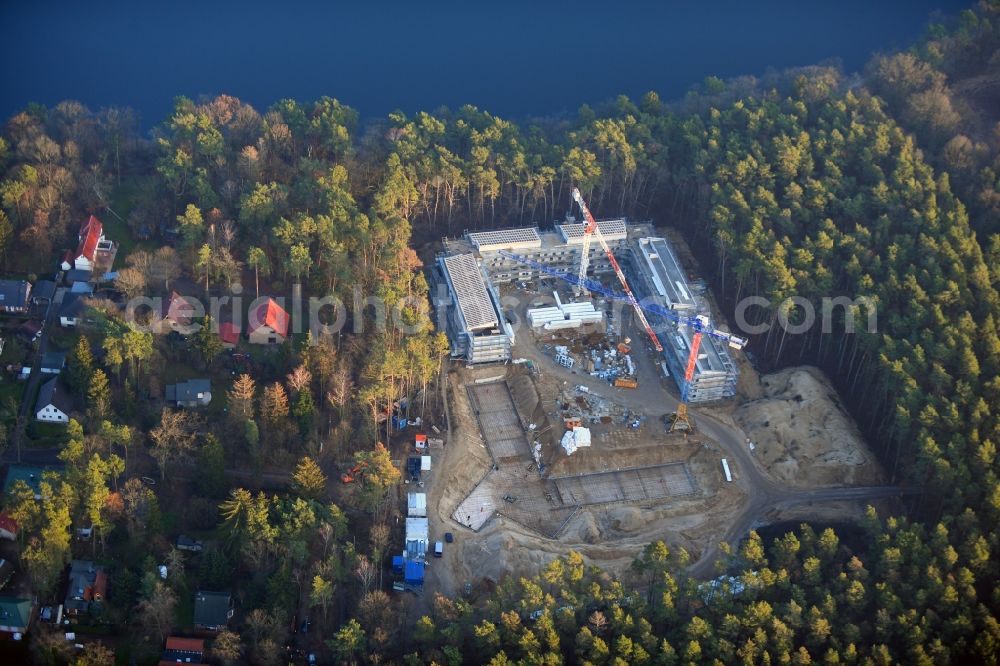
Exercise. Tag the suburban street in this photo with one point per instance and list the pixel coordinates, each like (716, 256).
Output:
(35, 378)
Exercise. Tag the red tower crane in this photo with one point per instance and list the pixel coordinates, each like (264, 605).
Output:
(590, 227)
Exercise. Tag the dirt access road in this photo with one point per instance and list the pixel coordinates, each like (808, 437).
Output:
(764, 492)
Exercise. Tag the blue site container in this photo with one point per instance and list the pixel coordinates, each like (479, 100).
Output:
(414, 573)
(397, 564)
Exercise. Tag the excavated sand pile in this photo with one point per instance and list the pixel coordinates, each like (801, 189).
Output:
(802, 434)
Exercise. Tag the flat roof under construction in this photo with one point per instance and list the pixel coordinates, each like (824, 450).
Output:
(666, 272)
(709, 359)
(469, 288)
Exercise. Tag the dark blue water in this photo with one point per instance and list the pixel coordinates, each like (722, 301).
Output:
(513, 58)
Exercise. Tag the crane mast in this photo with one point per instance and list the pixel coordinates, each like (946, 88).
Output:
(590, 227)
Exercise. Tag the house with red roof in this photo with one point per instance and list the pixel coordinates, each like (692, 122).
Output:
(8, 527)
(177, 314)
(268, 323)
(91, 233)
(229, 333)
(88, 584)
(183, 651)
(95, 253)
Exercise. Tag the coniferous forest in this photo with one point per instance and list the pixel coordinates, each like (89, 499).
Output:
(809, 182)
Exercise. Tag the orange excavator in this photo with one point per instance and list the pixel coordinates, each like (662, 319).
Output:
(356, 473)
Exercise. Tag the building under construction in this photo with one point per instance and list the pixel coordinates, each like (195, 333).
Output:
(467, 305)
(472, 265)
(663, 282)
(557, 249)
(468, 310)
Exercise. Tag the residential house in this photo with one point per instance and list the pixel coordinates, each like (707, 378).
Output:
(8, 527)
(88, 584)
(16, 615)
(72, 309)
(53, 362)
(85, 257)
(229, 333)
(30, 474)
(183, 651)
(54, 403)
(268, 323)
(42, 294)
(192, 393)
(14, 296)
(177, 315)
(212, 610)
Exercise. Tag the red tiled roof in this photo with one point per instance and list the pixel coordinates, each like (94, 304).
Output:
(272, 315)
(185, 644)
(229, 333)
(100, 585)
(90, 234)
(178, 309)
(8, 523)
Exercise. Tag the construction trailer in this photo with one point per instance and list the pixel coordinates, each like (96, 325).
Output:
(413, 573)
(417, 531)
(416, 505)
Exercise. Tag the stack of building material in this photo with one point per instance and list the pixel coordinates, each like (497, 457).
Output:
(574, 439)
(564, 315)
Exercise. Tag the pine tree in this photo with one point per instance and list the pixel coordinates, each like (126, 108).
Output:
(211, 471)
(81, 365)
(309, 481)
(98, 396)
(241, 398)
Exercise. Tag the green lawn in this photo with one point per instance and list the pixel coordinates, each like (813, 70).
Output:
(123, 199)
(11, 392)
(47, 434)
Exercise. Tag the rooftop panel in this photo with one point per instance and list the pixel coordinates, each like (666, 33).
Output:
(520, 236)
(470, 291)
(610, 229)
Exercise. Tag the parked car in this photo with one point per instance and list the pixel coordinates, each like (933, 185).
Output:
(438, 549)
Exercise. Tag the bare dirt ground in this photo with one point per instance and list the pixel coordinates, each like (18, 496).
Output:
(610, 535)
(801, 432)
(803, 439)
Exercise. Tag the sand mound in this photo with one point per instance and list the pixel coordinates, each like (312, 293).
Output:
(589, 532)
(626, 519)
(802, 433)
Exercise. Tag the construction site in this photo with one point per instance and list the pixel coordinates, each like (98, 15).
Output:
(580, 351)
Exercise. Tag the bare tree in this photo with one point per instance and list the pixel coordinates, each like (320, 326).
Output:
(299, 378)
(379, 536)
(597, 621)
(365, 572)
(173, 439)
(157, 612)
(166, 265)
(227, 647)
(132, 281)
